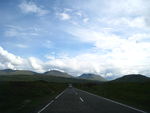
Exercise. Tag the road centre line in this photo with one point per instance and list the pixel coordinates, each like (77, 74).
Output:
(81, 99)
(113, 101)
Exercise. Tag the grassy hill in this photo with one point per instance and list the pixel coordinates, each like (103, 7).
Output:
(57, 73)
(90, 76)
(16, 72)
(132, 78)
(47, 78)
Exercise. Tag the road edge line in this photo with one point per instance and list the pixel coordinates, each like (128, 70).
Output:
(50, 102)
(114, 102)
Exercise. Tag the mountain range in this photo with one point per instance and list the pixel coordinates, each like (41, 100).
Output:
(51, 76)
(55, 75)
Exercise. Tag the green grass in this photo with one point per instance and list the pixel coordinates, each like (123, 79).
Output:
(133, 94)
(27, 97)
(27, 94)
(48, 78)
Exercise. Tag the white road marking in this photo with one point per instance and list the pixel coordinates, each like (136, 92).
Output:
(45, 106)
(81, 99)
(114, 102)
(59, 95)
(50, 102)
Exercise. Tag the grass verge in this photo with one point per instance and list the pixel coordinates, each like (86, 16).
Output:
(27, 97)
(133, 94)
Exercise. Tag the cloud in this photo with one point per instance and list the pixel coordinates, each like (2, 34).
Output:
(64, 16)
(127, 55)
(113, 64)
(36, 64)
(116, 31)
(19, 31)
(136, 22)
(85, 20)
(9, 60)
(31, 7)
(21, 46)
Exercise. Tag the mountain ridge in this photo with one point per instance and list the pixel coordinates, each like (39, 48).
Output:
(132, 78)
(91, 76)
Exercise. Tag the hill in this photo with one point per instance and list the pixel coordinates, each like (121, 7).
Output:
(16, 72)
(132, 78)
(90, 76)
(50, 76)
(57, 73)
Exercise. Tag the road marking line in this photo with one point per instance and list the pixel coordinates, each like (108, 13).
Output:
(115, 102)
(45, 106)
(59, 95)
(50, 102)
(81, 99)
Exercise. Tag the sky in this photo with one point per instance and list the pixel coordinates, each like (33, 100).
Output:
(110, 38)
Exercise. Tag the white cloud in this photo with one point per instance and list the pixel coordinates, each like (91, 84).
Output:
(79, 13)
(116, 63)
(17, 31)
(9, 60)
(21, 46)
(127, 55)
(136, 22)
(64, 16)
(123, 48)
(85, 20)
(31, 7)
(36, 64)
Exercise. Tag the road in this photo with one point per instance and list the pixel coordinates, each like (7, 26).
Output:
(73, 100)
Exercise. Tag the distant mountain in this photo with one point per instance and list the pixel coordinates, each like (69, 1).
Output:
(16, 72)
(57, 73)
(132, 78)
(50, 76)
(90, 76)
(7, 70)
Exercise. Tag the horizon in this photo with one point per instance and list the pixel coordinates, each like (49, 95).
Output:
(107, 78)
(76, 37)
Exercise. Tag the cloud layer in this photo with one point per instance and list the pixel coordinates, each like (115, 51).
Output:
(115, 64)
(31, 7)
(108, 38)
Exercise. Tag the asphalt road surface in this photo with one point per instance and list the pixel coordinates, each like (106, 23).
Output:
(73, 100)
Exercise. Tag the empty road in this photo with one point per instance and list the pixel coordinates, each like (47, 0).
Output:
(73, 100)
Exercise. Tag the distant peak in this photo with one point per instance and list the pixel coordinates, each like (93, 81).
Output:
(8, 70)
(92, 76)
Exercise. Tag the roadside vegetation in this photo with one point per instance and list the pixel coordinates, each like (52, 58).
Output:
(136, 94)
(27, 97)
(29, 93)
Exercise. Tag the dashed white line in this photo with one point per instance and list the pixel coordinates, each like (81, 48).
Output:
(114, 101)
(50, 102)
(81, 99)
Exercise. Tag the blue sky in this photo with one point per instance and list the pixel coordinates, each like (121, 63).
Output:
(77, 36)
